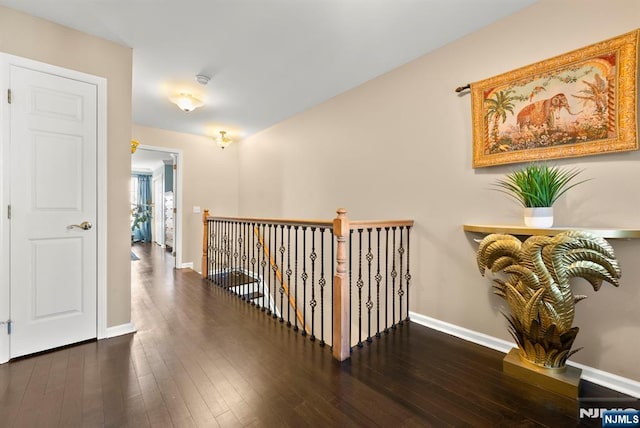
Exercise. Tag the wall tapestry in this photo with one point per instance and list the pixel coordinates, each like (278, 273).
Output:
(577, 104)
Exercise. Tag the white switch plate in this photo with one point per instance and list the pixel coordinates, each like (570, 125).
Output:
(196, 210)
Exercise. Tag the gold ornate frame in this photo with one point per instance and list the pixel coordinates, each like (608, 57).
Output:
(532, 113)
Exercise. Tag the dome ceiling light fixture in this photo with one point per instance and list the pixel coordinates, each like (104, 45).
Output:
(186, 102)
(222, 140)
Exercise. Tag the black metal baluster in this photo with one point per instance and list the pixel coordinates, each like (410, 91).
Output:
(289, 275)
(216, 250)
(313, 301)
(282, 249)
(219, 258)
(263, 264)
(360, 284)
(209, 246)
(229, 255)
(386, 281)
(333, 258)
(274, 268)
(231, 247)
(295, 293)
(267, 278)
(212, 242)
(407, 276)
(394, 274)
(369, 301)
(322, 282)
(240, 266)
(207, 251)
(229, 266)
(304, 280)
(234, 256)
(225, 260)
(254, 274)
(237, 259)
(400, 288)
(247, 238)
(378, 280)
(350, 284)
(243, 260)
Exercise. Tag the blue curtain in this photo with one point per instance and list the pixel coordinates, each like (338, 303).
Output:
(143, 232)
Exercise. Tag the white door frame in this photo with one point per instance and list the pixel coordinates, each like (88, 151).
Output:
(177, 185)
(6, 61)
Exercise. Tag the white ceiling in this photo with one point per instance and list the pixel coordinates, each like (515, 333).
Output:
(144, 160)
(269, 59)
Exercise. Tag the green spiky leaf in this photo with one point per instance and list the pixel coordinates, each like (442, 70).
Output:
(538, 185)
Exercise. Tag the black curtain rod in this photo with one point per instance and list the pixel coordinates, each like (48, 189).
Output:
(462, 88)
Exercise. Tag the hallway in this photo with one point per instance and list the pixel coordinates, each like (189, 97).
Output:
(202, 357)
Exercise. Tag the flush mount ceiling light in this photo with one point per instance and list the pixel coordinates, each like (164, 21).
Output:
(186, 102)
(222, 140)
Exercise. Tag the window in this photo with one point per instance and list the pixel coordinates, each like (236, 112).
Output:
(134, 190)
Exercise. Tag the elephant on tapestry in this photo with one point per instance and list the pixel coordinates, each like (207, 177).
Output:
(544, 112)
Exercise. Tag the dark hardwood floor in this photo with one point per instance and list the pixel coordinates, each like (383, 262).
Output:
(202, 357)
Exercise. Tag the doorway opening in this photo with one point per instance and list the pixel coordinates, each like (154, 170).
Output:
(155, 195)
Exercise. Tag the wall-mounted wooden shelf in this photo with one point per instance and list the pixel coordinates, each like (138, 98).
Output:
(528, 231)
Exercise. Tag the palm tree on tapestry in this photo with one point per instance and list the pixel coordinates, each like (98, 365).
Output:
(497, 109)
(537, 287)
(596, 94)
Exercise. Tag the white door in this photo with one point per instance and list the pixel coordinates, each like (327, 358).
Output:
(53, 186)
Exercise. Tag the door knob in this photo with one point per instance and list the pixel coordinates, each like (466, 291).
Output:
(85, 225)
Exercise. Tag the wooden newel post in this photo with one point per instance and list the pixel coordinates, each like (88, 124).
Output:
(205, 245)
(341, 309)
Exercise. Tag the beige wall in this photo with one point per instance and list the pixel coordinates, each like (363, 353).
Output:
(210, 181)
(400, 146)
(44, 41)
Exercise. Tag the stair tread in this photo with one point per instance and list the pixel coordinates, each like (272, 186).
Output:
(233, 279)
(252, 296)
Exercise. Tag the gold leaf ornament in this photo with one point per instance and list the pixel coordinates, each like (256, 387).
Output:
(538, 291)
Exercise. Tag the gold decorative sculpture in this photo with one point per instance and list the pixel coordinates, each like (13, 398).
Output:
(537, 287)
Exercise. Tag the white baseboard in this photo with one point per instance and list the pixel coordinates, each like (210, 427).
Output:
(188, 265)
(606, 379)
(121, 329)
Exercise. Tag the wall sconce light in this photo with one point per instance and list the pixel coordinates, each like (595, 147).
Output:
(186, 102)
(134, 145)
(222, 140)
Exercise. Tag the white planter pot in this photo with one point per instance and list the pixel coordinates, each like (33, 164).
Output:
(538, 217)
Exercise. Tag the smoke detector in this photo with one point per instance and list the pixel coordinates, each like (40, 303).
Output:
(202, 79)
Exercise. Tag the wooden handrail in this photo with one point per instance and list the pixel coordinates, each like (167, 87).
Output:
(285, 221)
(355, 224)
(273, 264)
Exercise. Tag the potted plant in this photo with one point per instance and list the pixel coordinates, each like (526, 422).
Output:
(139, 214)
(537, 187)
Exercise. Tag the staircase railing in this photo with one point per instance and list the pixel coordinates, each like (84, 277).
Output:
(284, 267)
